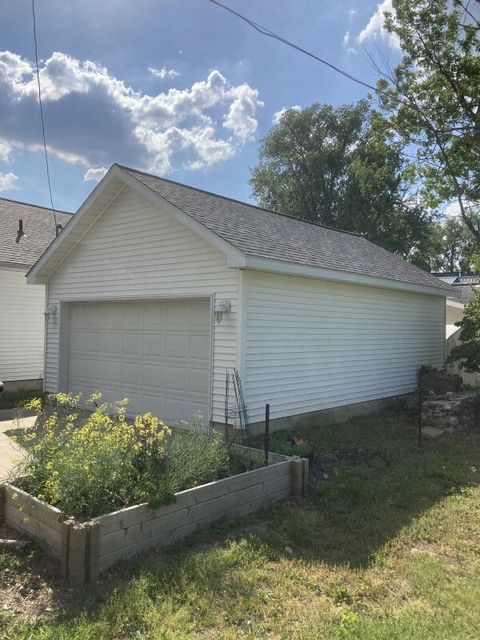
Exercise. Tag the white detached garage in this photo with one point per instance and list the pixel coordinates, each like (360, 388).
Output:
(156, 289)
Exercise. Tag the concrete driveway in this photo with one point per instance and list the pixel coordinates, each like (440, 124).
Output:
(9, 451)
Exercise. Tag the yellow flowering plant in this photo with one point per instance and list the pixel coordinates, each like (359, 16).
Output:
(89, 458)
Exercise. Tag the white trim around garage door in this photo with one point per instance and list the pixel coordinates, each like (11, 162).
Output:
(63, 352)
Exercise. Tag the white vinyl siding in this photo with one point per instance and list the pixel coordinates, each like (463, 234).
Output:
(312, 344)
(21, 327)
(137, 251)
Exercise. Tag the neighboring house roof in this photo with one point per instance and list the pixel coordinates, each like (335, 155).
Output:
(268, 234)
(251, 237)
(38, 231)
(448, 279)
(459, 278)
(464, 285)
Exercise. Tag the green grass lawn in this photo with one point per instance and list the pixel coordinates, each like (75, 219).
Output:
(386, 549)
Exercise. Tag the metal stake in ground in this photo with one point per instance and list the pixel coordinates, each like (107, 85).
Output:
(267, 432)
(420, 402)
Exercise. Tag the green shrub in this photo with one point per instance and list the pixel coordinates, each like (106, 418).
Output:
(467, 352)
(194, 458)
(89, 463)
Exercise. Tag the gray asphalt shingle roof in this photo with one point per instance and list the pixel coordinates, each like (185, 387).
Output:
(267, 234)
(38, 227)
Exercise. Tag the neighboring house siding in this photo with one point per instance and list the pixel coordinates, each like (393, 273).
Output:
(133, 251)
(312, 345)
(454, 314)
(21, 327)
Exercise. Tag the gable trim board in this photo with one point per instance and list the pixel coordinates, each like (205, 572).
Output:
(302, 337)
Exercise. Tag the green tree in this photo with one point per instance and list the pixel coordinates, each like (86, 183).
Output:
(467, 353)
(453, 247)
(433, 98)
(341, 167)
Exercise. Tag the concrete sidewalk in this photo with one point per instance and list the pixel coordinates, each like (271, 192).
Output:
(9, 451)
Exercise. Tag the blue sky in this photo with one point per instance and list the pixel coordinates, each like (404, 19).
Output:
(179, 88)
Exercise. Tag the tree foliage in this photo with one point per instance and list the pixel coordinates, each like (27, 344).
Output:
(433, 97)
(452, 247)
(467, 353)
(341, 167)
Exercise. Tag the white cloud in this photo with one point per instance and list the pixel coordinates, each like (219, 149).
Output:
(95, 174)
(278, 114)
(163, 73)
(98, 119)
(5, 150)
(346, 38)
(240, 118)
(375, 29)
(7, 181)
(351, 13)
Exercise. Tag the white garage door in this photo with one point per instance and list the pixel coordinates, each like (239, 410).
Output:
(157, 354)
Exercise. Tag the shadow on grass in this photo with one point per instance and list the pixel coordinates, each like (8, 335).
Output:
(349, 520)
(351, 517)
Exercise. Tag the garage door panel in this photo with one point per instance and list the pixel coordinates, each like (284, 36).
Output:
(131, 345)
(198, 345)
(184, 410)
(112, 342)
(199, 381)
(152, 376)
(176, 345)
(200, 318)
(86, 317)
(155, 405)
(177, 316)
(155, 353)
(111, 319)
(85, 341)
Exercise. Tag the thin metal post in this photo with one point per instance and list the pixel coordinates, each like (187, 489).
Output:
(267, 432)
(227, 391)
(420, 402)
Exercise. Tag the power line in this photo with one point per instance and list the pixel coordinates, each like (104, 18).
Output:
(400, 100)
(45, 151)
(266, 32)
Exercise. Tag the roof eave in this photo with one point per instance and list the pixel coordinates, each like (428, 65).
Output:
(269, 265)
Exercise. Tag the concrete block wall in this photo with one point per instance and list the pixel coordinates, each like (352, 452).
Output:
(86, 549)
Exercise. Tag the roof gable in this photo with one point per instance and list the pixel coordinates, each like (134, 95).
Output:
(250, 237)
(18, 249)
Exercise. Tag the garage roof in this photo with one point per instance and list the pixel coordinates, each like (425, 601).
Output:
(269, 234)
(18, 249)
(250, 237)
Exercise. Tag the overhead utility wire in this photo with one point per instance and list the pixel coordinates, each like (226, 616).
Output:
(266, 32)
(45, 151)
(409, 104)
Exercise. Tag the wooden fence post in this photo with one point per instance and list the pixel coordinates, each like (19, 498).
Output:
(296, 477)
(306, 472)
(93, 552)
(77, 554)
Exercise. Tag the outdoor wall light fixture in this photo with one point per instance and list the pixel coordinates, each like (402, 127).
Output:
(51, 312)
(221, 307)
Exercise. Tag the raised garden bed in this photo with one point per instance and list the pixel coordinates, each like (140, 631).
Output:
(87, 548)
